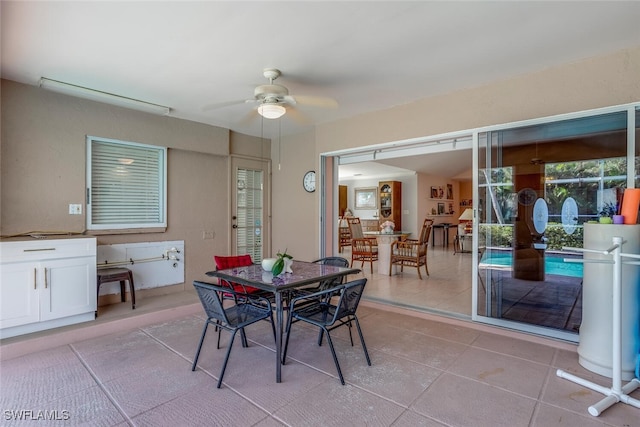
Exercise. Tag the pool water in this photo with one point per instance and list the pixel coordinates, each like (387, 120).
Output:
(553, 263)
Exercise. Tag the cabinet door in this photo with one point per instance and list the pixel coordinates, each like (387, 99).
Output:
(19, 294)
(69, 287)
(370, 225)
(342, 199)
(391, 202)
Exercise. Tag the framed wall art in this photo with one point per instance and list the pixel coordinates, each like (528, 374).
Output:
(366, 198)
(434, 192)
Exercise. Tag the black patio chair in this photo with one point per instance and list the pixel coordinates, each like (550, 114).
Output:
(246, 310)
(326, 316)
(335, 261)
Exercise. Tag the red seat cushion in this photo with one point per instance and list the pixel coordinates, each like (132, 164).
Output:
(224, 262)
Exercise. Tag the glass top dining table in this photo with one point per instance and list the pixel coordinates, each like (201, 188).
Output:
(304, 273)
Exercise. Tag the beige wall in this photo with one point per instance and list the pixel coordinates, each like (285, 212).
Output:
(297, 219)
(43, 150)
(43, 169)
(582, 85)
(592, 83)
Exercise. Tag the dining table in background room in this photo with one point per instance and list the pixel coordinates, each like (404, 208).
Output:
(384, 247)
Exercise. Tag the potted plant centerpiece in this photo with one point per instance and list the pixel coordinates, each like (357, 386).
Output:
(607, 212)
(387, 227)
(282, 264)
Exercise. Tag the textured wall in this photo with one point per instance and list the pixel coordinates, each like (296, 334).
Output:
(43, 169)
(592, 83)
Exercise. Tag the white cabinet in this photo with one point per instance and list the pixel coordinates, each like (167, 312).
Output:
(19, 294)
(46, 284)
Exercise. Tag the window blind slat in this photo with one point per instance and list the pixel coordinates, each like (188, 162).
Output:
(127, 184)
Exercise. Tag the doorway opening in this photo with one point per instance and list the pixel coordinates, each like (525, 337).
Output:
(444, 163)
(534, 184)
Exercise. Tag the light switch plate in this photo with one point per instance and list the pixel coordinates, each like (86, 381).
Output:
(75, 209)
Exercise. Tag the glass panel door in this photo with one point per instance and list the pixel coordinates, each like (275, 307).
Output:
(537, 186)
(249, 220)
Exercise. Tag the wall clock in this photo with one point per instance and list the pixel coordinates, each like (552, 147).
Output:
(309, 181)
(527, 196)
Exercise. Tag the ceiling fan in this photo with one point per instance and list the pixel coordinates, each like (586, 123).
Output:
(274, 100)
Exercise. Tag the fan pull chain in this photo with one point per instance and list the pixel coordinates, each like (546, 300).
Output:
(279, 141)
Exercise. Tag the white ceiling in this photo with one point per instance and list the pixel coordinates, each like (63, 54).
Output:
(366, 55)
(450, 164)
(369, 170)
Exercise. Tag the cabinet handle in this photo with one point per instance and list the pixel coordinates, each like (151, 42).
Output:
(45, 278)
(35, 281)
(38, 250)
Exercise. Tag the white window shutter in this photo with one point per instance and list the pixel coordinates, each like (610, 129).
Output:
(127, 185)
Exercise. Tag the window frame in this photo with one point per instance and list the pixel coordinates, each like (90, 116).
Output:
(127, 226)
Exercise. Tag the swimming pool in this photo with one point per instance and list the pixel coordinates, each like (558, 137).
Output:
(553, 263)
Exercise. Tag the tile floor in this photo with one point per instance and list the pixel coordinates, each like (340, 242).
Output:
(553, 303)
(132, 367)
(426, 370)
(447, 289)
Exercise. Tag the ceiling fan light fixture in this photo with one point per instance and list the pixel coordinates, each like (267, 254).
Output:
(271, 111)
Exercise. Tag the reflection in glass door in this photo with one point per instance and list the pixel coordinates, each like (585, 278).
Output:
(537, 186)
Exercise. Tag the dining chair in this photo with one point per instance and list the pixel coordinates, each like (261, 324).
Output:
(463, 238)
(335, 261)
(344, 235)
(364, 249)
(246, 310)
(327, 316)
(322, 285)
(223, 262)
(411, 252)
(234, 261)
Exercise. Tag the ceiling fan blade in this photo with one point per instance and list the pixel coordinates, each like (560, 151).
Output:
(225, 104)
(316, 101)
(297, 116)
(249, 117)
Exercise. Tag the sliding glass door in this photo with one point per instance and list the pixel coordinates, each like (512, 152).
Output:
(537, 186)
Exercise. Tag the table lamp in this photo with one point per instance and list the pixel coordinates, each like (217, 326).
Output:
(467, 219)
